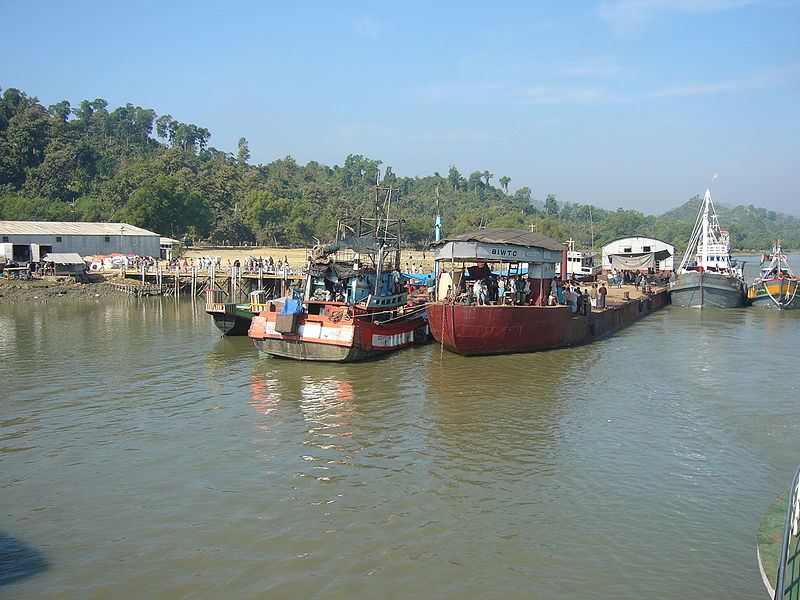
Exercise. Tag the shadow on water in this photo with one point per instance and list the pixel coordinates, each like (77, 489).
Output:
(17, 560)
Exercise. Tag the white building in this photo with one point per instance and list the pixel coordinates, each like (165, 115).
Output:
(24, 241)
(638, 253)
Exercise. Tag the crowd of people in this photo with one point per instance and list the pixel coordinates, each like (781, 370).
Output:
(618, 278)
(251, 264)
(517, 290)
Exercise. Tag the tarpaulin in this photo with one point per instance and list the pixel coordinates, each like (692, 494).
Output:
(291, 306)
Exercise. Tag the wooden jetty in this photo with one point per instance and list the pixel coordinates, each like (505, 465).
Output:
(235, 284)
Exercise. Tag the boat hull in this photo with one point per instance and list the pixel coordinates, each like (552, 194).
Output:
(475, 330)
(706, 290)
(230, 319)
(781, 294)
(318, 338)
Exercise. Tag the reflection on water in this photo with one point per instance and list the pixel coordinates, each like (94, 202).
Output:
(141, 449)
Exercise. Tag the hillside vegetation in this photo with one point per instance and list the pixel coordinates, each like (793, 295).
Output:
(92, 163)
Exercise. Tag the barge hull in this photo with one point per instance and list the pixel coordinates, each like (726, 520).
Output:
(474, 330)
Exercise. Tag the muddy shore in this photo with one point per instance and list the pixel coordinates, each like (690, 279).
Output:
(55, 289)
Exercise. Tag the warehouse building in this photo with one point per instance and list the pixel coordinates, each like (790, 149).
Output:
(24, 241)
(638, 253)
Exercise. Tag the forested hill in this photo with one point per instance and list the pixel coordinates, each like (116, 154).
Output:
(127, 164)
(751, 227)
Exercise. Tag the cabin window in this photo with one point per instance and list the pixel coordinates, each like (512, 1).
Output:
(107, 239)
(5, 238)
(58, 238)
(627, 250)
(645, 248)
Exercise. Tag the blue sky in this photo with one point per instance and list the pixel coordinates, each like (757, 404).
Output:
(623, 103)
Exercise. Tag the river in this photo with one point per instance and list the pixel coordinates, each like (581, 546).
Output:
(143, 456)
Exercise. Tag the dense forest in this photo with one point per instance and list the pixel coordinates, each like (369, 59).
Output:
(89, 163)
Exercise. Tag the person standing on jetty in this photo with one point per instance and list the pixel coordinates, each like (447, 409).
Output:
(601, 296)
(593, 295)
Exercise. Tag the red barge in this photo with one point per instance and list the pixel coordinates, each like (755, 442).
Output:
(466, 327)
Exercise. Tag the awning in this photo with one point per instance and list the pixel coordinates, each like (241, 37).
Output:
(638, 261)
(65, 258)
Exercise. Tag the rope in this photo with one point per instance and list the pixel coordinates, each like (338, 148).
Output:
(778, 302)
(404, 315)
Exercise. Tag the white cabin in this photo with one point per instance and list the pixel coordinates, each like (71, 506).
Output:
(579, 264)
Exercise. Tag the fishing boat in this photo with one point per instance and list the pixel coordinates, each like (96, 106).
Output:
(351, 308)
(776, 286)
(708, 276)
(229, 317)
(468, 327)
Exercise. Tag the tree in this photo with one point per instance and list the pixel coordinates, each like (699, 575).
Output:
(244, 151)
(487, 176)
(474, 182)
(523, 195)
(455, 178)
(551, 206)
(159, 206)
(504, 181)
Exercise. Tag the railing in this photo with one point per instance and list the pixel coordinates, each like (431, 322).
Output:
(791, 529)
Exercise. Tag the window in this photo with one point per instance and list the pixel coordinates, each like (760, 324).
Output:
(626, 250)
(108, 239)
(58, 238)
(5, 238)
(645, 248)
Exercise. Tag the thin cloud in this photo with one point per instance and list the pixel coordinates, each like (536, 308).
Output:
(368, 27)
(548, 93)
(468, 92)
(593, 67)
(630, 16)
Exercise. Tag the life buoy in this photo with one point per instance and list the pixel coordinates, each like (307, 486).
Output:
(94, 267)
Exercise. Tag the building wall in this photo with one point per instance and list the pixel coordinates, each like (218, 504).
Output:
(86, 245)
(637, 245)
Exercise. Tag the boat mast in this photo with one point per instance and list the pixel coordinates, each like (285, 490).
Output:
(437, 235)
(704, 252)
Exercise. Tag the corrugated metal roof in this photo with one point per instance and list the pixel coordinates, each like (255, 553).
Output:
(506, 235)
(64, 258)
(69, 228)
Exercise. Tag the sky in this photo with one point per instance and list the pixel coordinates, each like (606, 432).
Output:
(630, 104)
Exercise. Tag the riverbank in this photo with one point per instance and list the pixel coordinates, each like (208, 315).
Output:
(14, 291)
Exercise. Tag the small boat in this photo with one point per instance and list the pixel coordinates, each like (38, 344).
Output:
(778, 548)
(350, 309)
(708, 276)
(776, 287)
(504, 325)
(229, 317)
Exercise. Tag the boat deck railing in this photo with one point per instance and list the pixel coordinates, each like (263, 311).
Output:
(792, 589)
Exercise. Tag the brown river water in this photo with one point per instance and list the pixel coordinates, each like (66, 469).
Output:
(144, 456)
